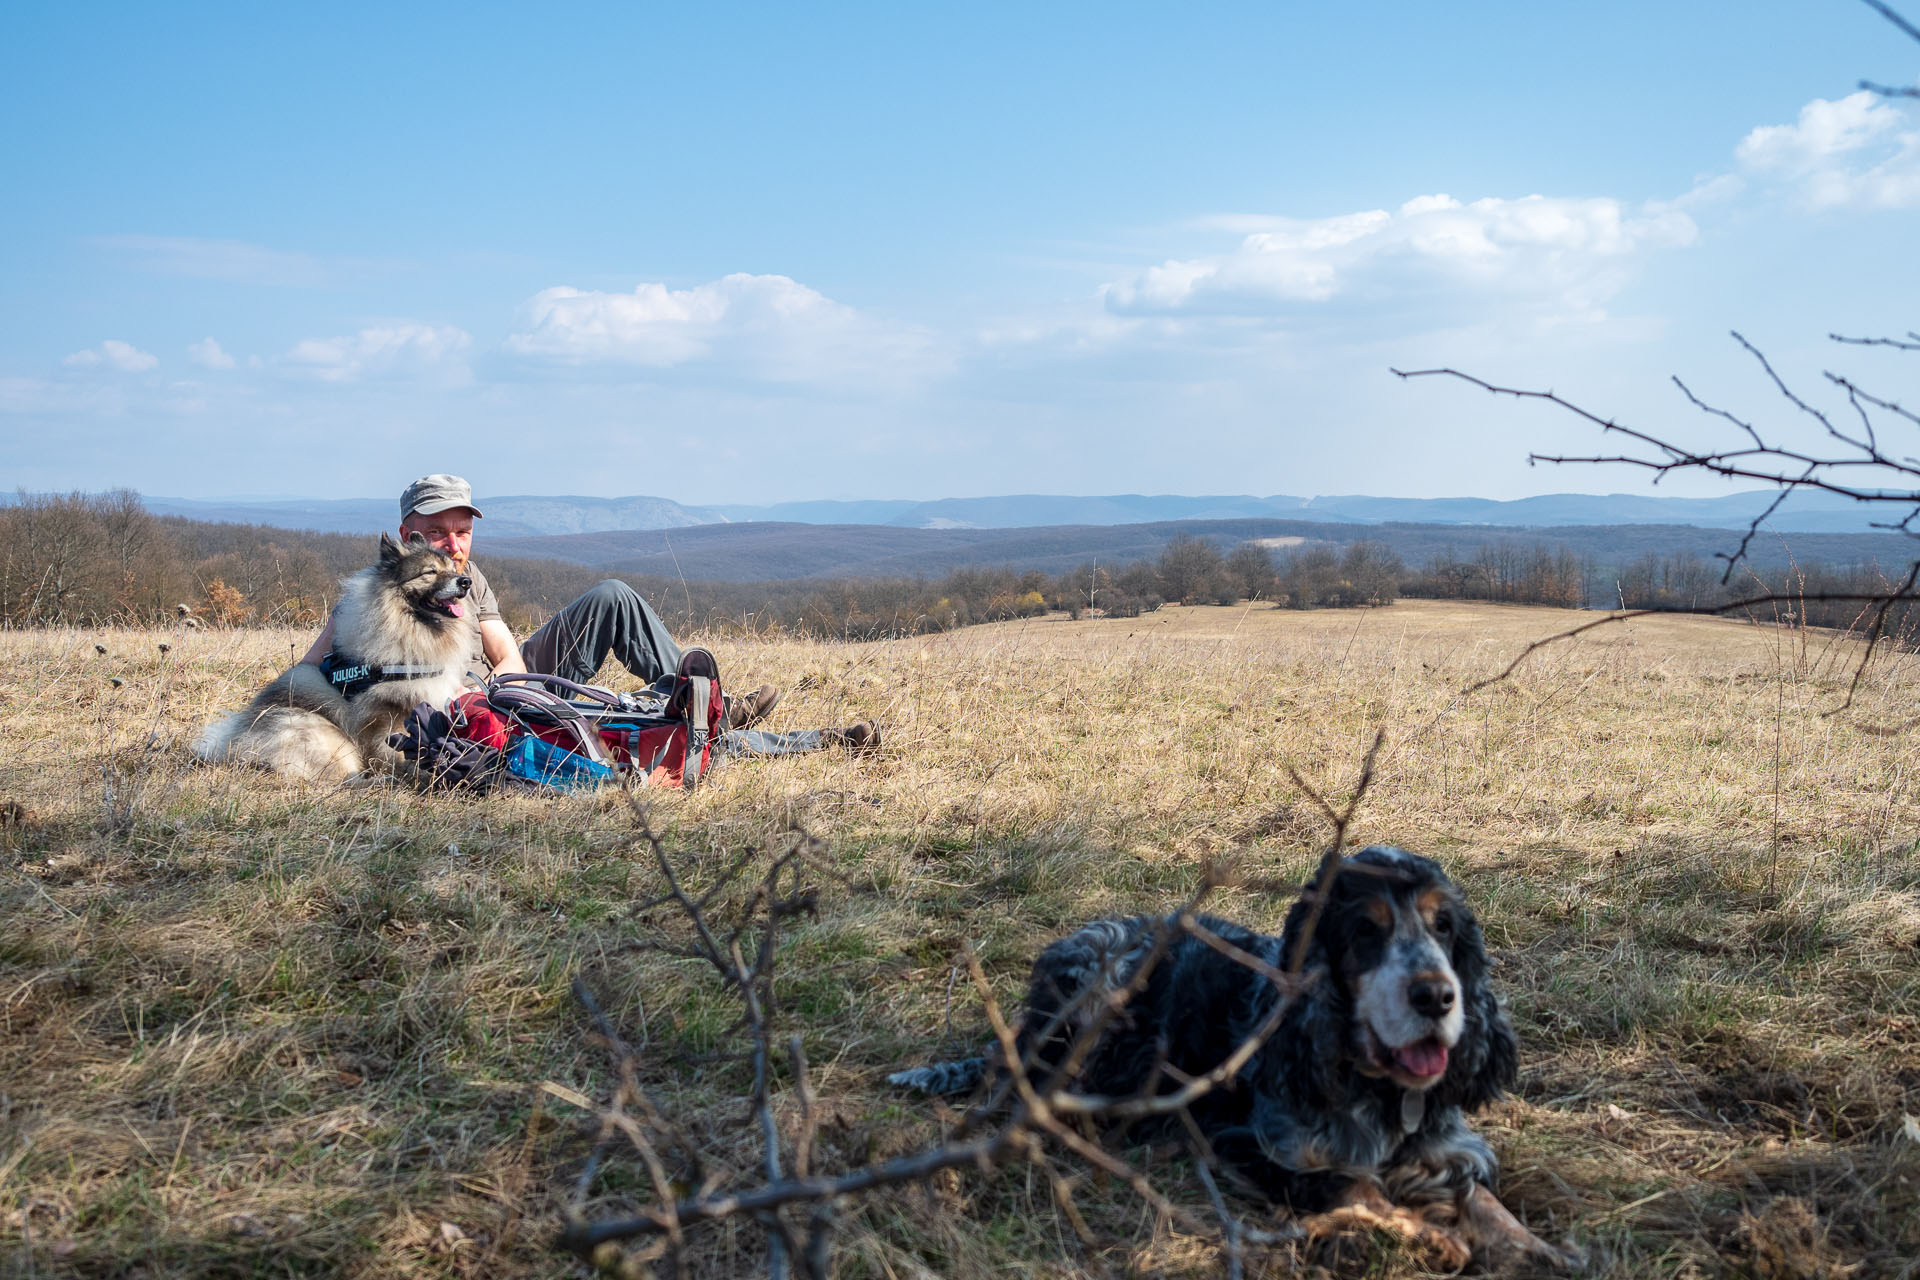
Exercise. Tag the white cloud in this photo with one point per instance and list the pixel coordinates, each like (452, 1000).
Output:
(1556, 252)
(1825, 129)
(1860, 151)
(115, 354)
(208, 354)
(768, 326)
(383, 351)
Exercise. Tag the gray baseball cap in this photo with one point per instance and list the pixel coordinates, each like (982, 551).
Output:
(430, 494)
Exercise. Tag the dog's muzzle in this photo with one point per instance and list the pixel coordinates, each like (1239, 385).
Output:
(452, 597)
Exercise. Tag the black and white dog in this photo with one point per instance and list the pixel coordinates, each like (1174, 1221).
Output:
(1354, 1108)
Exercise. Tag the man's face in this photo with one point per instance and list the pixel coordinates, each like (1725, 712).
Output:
(448, 532)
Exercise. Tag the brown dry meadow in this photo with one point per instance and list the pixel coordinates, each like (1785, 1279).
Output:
(248, 1028)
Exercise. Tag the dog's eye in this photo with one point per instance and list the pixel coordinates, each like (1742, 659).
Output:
(1443, 926)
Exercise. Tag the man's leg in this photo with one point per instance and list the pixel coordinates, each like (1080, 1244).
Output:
(764, 742)
(859, 739)
(611, 618)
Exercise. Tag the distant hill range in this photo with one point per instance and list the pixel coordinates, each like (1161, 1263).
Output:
(1803, 512)
(524, 517)
(528, 517)
(758, 551)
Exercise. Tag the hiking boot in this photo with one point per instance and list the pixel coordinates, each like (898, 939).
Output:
(749, 709)
(860, 739)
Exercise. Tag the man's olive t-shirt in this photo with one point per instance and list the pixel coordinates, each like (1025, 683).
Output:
(485, 609)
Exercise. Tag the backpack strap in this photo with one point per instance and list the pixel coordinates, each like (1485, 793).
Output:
(568, 689)
(520, 701)
(699, 728)
(696, 681)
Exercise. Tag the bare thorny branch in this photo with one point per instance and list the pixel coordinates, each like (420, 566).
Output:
(1021, 1116)
(1858, 465)
(1757, 459)
(1909, 29)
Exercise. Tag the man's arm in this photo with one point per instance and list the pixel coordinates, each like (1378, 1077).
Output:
(323, 646)
(503, 652)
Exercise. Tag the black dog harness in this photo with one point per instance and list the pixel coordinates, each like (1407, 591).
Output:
(350, 677)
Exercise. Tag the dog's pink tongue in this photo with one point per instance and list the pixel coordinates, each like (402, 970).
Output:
(1422, 1058)
(457, 609)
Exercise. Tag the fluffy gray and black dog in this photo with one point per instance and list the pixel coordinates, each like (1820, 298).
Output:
(1355, 1108)
(402, 634)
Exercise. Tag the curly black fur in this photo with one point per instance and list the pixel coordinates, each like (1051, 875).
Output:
(1315, 1108)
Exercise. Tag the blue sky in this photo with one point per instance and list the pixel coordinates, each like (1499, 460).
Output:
(757, 253)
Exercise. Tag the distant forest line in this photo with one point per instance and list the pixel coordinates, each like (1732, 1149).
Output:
(101, 559)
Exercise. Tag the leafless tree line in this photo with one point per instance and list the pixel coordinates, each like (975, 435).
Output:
(103, 558)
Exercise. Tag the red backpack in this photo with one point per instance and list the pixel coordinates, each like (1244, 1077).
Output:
(591, 733)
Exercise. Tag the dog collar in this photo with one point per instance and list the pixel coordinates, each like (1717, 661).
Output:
(349, 676)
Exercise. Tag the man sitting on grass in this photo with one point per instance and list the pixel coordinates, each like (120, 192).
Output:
(609, 619)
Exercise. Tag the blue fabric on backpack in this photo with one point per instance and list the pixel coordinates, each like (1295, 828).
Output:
(536, 760)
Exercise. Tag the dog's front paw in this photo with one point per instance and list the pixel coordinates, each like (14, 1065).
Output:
(1339, 1237)
(1500, 1240)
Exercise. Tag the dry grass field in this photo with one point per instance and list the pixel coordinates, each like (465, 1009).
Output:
(248, 1028)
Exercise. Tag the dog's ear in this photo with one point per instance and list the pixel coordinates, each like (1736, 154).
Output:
(389, 549)
(1487, 1060)
(417, 541)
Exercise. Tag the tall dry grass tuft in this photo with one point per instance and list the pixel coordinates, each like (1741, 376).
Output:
(246, 1026)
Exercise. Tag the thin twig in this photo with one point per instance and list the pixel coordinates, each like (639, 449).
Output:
(809, 1110)
(1229, 1225)
(1330, 862)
